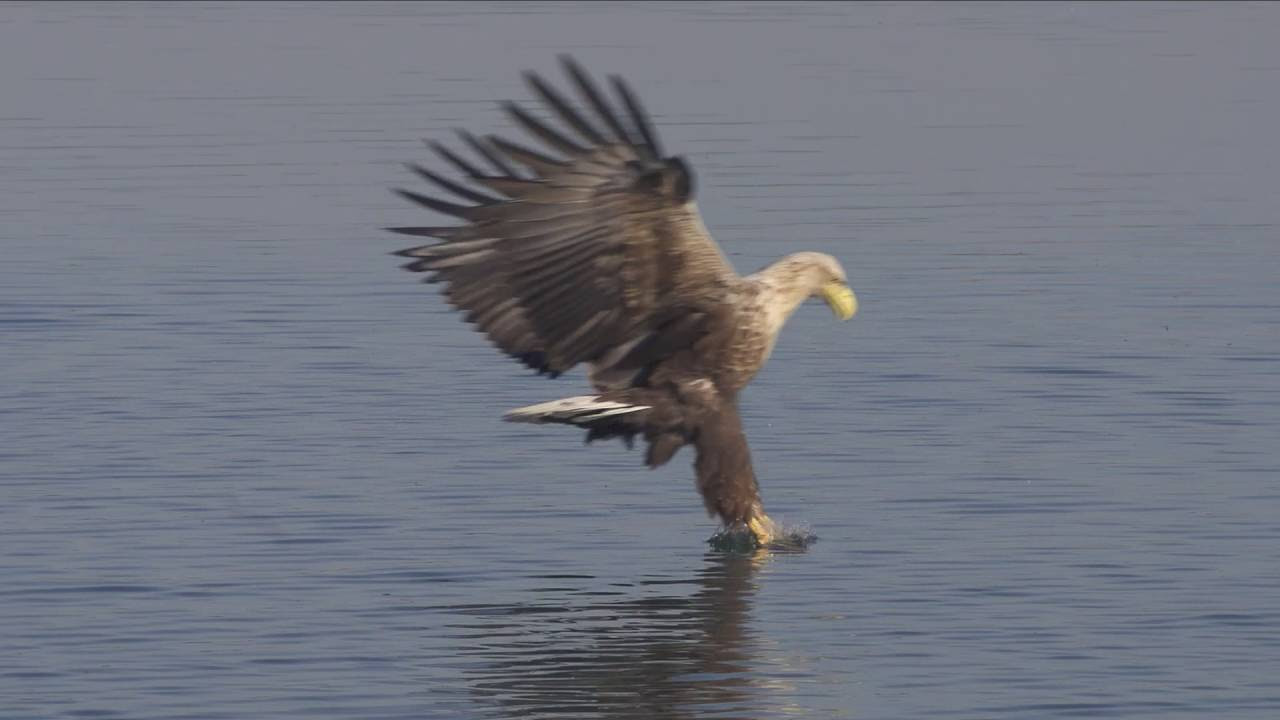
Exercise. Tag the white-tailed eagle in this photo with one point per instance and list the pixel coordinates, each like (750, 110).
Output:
(592, 251)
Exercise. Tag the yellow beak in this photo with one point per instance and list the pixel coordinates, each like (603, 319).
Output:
(841, 299)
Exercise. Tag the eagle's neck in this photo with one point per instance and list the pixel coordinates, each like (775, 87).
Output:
(781, 288)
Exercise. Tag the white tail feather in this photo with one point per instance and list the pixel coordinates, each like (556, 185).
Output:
(579, 410)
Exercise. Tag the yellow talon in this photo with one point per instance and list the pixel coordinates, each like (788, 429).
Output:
(763, 528)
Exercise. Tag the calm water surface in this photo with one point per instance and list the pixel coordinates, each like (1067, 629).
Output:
(252, 469)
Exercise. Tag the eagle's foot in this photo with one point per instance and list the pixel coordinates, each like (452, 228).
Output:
(764, 529)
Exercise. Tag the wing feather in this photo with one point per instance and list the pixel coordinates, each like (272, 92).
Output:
(648, 139)
(593, 97)
(458, 189)
(441, 206)
(562, 108)
(488, 153)
(455, 160)
(541, 164)
(600, 249)
(536, 128)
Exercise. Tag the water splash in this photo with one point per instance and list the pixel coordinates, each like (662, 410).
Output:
(740, 540)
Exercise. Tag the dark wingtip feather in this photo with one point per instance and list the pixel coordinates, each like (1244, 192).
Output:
(487, 153)
(566, 59)
(451, 186)
(536, 161)
(448, 208)
(417, 265)
(648, 138)
(562, 108)
(413, 252)
(540, 130)
(587, 89)
(435, 232)
(454, 159)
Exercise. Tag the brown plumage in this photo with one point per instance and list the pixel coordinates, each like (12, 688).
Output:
(597, 255)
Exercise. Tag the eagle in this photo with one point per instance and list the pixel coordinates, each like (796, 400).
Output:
(591, 251)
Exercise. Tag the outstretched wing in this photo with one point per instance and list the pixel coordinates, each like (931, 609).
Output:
(565, 259)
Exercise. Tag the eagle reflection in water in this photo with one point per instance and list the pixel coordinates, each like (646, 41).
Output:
(625, 652)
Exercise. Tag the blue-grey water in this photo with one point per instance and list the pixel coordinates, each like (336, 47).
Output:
(250, 468)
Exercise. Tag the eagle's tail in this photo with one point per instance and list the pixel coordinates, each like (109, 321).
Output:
(622, 414)
(583, 410)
